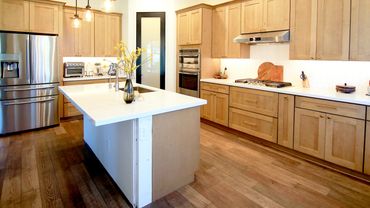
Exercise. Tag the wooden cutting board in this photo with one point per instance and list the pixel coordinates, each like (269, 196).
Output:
(269, 71)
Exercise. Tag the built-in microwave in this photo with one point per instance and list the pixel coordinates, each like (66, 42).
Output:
(74, 69)
(189, 59)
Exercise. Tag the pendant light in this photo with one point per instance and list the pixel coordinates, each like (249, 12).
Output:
(76, 22)
(108, 5)
(88, 13)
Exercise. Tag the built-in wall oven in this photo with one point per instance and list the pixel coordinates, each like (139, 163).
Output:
(189, 71)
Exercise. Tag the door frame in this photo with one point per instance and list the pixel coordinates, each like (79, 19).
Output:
(162, 16)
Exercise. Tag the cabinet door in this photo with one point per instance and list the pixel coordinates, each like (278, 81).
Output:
(309, 132)
(286, 120)
(195, 31)
(221, 109)
(100, 34)
(86, 39)
(183, 28)
(333, 28)
(70, 36)
(219, 32)
(367, 150)
(44, 18)
(206, 110)
(235, 50)
(276, 15)
(303, 29)
(113, 34)
(345, 141)
(14, 15)
(252, 16)
(360, 30)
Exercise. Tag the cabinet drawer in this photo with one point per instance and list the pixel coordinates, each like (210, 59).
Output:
(70, 110)
(344, 109)
(264, 127)
(254, 100)
(215, 88)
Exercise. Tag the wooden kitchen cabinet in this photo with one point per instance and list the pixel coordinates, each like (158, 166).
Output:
(303, 29)
(189, 27)
(367, 149)
(360, 30)
(276, 15)
(261, 126)
(286, 120)
(217, 108)
(345, 141)
(333, 29)
(44, 18)
(107, 33)
(265, 15)
(309, 132)
(206, 110)
(77, 41)
(14, 15)
(226, 26)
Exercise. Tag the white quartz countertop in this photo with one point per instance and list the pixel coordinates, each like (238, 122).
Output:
(358, 97)
(105, 106)
(86, 78)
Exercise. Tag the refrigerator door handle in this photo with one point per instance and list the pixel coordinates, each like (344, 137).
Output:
(28, 102)
(28, 88)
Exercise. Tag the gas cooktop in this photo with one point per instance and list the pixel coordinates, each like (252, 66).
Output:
(266, 83)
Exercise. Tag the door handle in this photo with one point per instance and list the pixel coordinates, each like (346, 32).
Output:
(29, 88)
(28, 102)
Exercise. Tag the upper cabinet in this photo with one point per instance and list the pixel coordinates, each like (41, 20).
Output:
(80, 41)
(225, 27)
(14, 15)
(360, 30)
(30, 16)
(333, 29)
(265, 15)
(107, 33)
(189, 27)
(44, 18)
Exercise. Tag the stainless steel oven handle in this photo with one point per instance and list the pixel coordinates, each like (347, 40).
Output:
(28, 102)
(29, 88)
(189, 73)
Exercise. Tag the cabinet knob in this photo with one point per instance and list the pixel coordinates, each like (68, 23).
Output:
(329, 117)
(321, 116)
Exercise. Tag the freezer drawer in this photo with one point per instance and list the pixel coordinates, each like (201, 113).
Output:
(28, 91)
(25, 114)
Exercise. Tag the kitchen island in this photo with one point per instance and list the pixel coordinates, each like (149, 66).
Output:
(150, 147)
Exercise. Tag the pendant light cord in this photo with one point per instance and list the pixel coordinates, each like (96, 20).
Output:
(76, 8)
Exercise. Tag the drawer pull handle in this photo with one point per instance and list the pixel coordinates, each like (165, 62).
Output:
(327, 106)
(249, 124)
(250, 101)
(321, 116)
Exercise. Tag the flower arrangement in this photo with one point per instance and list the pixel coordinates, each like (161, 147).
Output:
(126, 60)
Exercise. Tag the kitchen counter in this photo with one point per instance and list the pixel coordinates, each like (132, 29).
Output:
(358, 97)
(105, 106)
(149, 147)
(86, 78)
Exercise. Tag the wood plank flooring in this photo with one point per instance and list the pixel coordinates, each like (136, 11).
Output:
(53, 168)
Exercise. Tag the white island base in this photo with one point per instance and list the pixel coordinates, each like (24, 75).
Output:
(148, 157)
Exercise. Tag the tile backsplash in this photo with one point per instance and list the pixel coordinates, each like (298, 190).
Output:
(321, 74)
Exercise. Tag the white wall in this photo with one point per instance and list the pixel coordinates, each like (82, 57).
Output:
(321, 74)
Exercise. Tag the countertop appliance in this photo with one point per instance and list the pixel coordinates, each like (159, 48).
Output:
(28, 82)
(74, 69)
(189, 71)
(266, 83)
(266, 37)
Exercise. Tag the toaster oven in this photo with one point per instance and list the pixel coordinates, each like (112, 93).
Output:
(74, 69)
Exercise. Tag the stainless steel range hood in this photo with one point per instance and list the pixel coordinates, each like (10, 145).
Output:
(266, 37)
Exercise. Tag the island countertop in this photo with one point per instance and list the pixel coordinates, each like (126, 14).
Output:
(105, 106)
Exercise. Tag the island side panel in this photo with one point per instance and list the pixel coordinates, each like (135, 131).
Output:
(114, 145)
(176, 143)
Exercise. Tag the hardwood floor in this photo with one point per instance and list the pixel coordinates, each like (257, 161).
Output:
(53, 168)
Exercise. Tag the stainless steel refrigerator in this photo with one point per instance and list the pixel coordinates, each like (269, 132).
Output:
(28, 82)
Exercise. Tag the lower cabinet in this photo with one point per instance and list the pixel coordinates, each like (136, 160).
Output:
(309, 132)
(286, 120)
(261, 126)
(217, 107)
(336, 139)
(367, 148)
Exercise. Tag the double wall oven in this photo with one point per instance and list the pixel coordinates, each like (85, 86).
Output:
(189, 71)
(28, 82)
